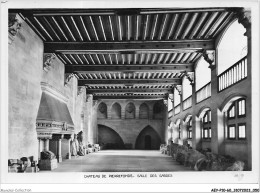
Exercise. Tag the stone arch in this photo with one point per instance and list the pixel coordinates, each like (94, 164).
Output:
(148, 138)
(229, 100)
(202, 111)
(158, 110)
(143, 111)
(102, 110)
(177, 122)
(187, 118)
(116, 111)
(130, 111)
(109, 138)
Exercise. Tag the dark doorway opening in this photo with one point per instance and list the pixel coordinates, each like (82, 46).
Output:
(148, 139)
(147, 142)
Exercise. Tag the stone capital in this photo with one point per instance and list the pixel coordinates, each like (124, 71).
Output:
(14, 25)
(209, 57)
(47, 61)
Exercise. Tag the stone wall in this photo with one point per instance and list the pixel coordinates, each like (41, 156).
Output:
(131, 123)
(25, 63)
(26, 59)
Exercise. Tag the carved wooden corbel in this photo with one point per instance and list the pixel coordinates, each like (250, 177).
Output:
(89, 97)
(178, 88)
(165, 102)
(80, 90)
(68, 78)
(209, 56)
(14, 25)
(244, 17)
(190, 77)
(47, 61)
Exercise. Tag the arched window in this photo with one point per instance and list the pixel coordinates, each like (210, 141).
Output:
(116, 111)
(206, 125)
(102, 111)
(232, 47)
(189, 128)
(143, 111)
(236, 126)
(158, 110)
(130, 111)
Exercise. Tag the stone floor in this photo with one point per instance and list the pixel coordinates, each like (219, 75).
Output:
(121, 161)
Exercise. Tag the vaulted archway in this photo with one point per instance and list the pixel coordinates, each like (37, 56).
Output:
(109, 139)
(148, 139)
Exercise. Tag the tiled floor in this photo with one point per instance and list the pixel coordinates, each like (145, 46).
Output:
(121, 161)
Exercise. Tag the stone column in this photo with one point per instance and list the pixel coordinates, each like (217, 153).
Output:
(122, 112)
(59, 157)
(69, 147)
(46, 144)
(39, 148)
(196, 132)
(137, 112)
(166, 137)
(244, 17)
(184, 133)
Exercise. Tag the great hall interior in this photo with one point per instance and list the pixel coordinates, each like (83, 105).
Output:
(84, 84)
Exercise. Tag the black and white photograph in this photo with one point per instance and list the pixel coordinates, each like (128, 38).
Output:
(161, 94)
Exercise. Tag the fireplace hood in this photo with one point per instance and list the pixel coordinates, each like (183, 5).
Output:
(53, 114)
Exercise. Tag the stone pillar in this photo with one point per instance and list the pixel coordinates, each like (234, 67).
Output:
(59, 157)
(46, 144)
(244, 17)
(122, 112)
(39, 148)
(196, 132)
(69, 147)
(184, 133)
(137, 110)
(166, 137)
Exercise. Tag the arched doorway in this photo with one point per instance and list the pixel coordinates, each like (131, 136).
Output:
(109, 139)
(147, 142)
(148, 138)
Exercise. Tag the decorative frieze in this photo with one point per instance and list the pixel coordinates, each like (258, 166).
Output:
(209, 57)
(14, 25)
(47, 61)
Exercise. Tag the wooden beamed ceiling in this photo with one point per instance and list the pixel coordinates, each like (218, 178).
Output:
(129, 53)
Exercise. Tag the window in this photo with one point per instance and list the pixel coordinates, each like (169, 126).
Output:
(206, 122)
(179, 131)
(242, 131)
(241, 107)
(189, 128)
(231, 112)
(236, 127)
(232, 132)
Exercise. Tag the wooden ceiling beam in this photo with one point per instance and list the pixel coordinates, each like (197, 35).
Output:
(130, 97)
(130, 90)
(175, 68)
(115, 82)
(128, 46)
